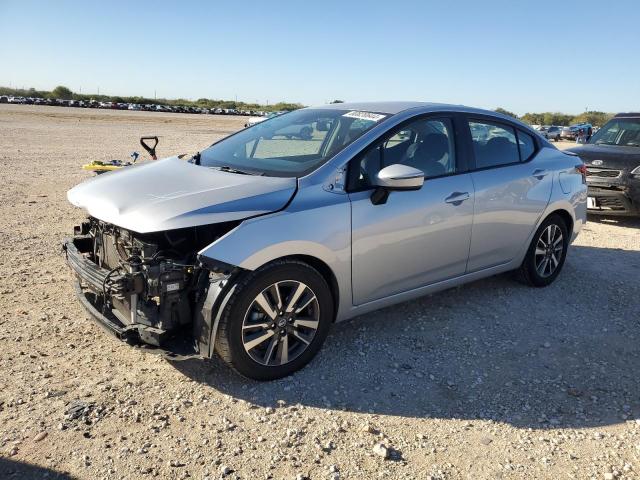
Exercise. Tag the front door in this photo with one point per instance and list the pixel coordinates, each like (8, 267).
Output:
(417, 237)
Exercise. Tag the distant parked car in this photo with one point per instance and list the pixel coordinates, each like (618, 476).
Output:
(571, 133)
(4, 99)
(552, 133)
(612, 157)
(255, 120)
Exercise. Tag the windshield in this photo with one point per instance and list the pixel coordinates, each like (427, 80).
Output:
(619, 131)
(289, 145)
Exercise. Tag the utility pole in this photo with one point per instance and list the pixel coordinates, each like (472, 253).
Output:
(154, 94)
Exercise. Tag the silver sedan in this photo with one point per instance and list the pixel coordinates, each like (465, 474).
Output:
(252, 248)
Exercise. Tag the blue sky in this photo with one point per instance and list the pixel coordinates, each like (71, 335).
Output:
(563, 55)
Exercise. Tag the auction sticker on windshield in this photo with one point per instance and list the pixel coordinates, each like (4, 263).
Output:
(375, 117)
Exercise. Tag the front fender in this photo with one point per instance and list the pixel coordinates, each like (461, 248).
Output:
(316, 224)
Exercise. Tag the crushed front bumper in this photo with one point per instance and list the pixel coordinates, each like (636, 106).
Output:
(90, 284)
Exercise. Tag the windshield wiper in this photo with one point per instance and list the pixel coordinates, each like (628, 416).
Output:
(227, 168)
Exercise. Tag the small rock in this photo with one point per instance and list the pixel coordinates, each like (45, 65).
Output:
(486, 440)
(225, 470)
(368, 428)
(40, 436)
(381, 450)
(546, 345)
(609, 476)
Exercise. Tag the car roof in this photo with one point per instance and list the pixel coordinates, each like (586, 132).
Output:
(393, 108)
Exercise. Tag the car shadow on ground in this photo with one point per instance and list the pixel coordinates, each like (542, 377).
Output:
(562, 356)
(629, 222)
(10, 469)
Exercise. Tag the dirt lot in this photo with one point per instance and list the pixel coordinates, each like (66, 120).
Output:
(491, 380)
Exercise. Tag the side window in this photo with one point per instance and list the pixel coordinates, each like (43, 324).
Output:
(493, 144)
(527, 146)
(426, 144)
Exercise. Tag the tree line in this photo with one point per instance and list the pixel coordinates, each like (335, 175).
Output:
(556, 118)
(63, 93)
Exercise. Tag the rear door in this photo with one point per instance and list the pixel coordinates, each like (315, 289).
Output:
(512, 191)
(417, 237)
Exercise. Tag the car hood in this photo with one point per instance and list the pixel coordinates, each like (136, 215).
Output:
(611, 156)
(172, 193)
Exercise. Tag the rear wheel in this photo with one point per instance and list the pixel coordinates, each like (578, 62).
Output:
(547, 252)
(275, 321)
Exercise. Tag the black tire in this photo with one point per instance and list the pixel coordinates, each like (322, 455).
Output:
(229, 340)
(528, 272)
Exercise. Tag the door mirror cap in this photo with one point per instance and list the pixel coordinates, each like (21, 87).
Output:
(400, 177)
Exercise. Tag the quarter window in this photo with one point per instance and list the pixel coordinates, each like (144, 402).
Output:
(527, 145)
(493, 144)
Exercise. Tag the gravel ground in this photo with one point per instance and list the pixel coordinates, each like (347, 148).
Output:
(490, 380)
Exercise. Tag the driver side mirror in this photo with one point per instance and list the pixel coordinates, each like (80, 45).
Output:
(400, 177)
(396, 177)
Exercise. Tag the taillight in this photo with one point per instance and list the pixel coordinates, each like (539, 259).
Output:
(582, 170)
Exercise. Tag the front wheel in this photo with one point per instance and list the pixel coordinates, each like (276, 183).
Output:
(547, 252)
(275, 321)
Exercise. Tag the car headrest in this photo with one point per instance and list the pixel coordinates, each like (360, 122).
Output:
(434, 146)
(499, 145)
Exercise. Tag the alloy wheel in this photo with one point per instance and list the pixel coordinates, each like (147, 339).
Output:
(549, 250)
(280, 323)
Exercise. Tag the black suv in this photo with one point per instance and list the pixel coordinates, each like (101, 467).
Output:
(612, 157)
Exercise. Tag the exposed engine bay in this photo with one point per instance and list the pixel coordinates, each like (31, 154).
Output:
(145, 285)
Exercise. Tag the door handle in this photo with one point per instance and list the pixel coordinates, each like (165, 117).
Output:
(540, 173)
(456, 198)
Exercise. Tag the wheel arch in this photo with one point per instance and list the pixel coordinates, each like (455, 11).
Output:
(325, 271)
(566, 217)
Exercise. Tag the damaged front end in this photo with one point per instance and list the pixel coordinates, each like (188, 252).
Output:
(148, 288)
